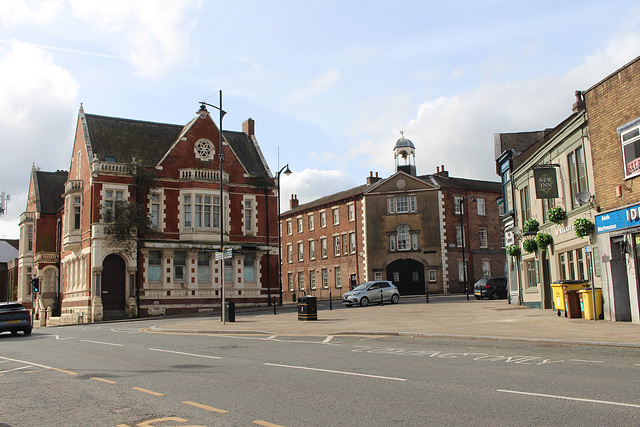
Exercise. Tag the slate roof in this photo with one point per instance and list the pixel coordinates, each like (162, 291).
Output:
(7, 251)
(125, 139)
(332, 198)
(463, 183)
(148, 142)
(49, 188)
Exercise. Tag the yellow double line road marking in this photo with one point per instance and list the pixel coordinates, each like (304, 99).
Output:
(208, 408)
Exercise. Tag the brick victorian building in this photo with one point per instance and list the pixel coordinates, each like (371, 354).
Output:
(405, 228)
(190, 205)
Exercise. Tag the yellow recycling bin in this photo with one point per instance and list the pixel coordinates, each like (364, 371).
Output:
(586, 303)
(558, 289)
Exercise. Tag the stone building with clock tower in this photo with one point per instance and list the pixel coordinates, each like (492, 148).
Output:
(172, 174)
(406, 228)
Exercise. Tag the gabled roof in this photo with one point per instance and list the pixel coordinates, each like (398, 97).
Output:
(126, 139)
(7, 251)
(149, 142)
(49, 188)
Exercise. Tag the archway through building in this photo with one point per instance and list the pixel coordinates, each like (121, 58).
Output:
(408, 276)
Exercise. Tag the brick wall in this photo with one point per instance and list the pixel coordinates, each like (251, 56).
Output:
(611, 103)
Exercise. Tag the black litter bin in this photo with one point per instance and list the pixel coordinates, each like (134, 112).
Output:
(307, 308)
(230, 311)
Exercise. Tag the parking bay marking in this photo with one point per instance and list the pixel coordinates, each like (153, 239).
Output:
(577, 399)
(103, 343)
(335, 372)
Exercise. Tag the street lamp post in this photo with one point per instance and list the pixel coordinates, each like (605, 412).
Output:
(464, 263)
(203, 113)
(287, 172)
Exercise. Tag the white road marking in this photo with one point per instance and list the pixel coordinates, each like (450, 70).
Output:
(577, 399)
(58, 337)
(328, 339)
(336, 372)
(185, 354)
(38, 365)
(103, 343)
(587, 361)
(14, 369)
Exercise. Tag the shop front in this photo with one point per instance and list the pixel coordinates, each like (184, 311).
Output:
(618, 234)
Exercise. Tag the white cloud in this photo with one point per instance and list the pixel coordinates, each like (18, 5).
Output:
(311, 184)
(154, 34)
(318, 86)
(17, 12)
(37, 117)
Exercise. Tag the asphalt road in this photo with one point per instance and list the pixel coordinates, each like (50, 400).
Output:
(123, 375)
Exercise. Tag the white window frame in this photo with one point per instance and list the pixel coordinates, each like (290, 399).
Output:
(335, 213)
(312, 222)
(630, 132)
(249, 211)
(289, 253)
(312, 279)
(323, 219)
(300, 225)
(300, 251)
(432, 276)
(481, 204)
(483, 237)
(336, 246)
(323, 247)
(312, 249)
(351, 212)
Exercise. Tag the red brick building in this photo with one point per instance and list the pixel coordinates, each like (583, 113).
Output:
(405, 228)
(172, 174)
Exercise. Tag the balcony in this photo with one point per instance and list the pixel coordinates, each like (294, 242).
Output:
(210, 175)
(110, 168)
(27, 217)
(73, 186)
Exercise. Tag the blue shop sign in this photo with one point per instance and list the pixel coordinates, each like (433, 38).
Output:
(617, 220)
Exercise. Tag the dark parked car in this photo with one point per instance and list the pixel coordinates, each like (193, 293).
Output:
(492, 288)
(370, 292)
(14, 317)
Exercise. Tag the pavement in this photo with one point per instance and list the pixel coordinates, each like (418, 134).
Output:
(443, 317)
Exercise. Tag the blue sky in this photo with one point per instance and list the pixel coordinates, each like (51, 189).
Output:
(330, 84)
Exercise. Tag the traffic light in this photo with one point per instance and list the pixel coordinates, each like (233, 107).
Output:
(35, 285)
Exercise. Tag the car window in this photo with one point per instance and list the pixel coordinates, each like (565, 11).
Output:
(374, 286)
(11, 307)
(383, 285)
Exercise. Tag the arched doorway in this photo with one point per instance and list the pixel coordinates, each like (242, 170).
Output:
(113, 285)
(408, 276)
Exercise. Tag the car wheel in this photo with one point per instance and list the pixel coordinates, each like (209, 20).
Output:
(27, 332)
(395, 298)
(14, 332)
(494, 295)
(364, 302)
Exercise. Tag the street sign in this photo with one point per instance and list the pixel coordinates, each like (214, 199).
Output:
(228, 253)
(587, 248)
(218, 256)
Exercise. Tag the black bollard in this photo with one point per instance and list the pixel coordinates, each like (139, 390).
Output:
(381, 298)
(427, 294)
(330, 301)
(274, 305)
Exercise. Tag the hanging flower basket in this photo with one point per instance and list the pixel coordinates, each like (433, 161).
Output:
(529, 245)
(513, 250)
(543, 240)
(582, 227)
(556, 215)
(531, 226)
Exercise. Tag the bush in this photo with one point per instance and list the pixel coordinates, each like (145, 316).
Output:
(543, 240)
(582, 227)
(556, 215)
(529, 245)
(531, 226)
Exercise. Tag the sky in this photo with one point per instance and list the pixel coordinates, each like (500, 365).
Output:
(329, 83)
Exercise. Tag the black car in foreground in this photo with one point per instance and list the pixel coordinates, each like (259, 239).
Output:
(492, 288)
(14, 317)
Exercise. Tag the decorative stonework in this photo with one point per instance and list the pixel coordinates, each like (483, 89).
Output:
(204, 149)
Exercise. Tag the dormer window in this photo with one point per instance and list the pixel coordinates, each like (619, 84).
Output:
(110, 159)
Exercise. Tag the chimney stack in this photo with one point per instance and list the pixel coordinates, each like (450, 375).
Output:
(372, 179)
(579, 105)
(293, 203)
(249, 127)
(441, 171)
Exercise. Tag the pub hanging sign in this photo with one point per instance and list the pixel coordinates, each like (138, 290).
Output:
(546, 183)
